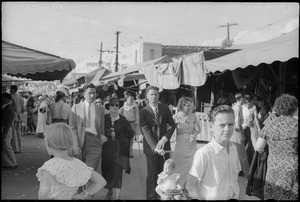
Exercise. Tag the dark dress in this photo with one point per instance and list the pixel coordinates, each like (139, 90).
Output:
(115, 153)
(282, 172)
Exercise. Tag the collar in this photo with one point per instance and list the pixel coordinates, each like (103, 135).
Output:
(87, 103)
(218, 148)
(153, 107)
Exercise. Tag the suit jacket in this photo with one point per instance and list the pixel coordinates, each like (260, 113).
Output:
(77, 122)
(147, 124)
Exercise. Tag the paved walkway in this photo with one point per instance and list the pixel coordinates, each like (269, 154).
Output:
(22, 183)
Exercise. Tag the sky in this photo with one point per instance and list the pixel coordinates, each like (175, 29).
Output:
(75, 30)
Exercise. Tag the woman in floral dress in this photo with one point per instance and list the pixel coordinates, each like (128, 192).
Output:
(188, 127)
(281, 135)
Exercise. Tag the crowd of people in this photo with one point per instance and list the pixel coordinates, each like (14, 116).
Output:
(90, 141)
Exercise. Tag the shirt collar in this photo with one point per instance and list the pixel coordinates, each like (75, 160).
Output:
(87, 103)
(218, 148)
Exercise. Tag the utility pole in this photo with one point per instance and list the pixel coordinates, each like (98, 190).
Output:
(117, 50)
(102, 51)
(228, 25)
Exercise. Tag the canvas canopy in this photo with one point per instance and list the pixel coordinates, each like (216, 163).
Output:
(32, 64)
(281, 49)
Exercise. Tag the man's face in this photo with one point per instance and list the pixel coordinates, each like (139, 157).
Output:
(223, 127)
(153, 96)
(90, 95)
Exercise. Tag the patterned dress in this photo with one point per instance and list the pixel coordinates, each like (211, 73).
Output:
(282, 166)
(68, 176)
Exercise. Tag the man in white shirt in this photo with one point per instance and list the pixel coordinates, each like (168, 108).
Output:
(238, 138)
(87, 124)
(215, 168)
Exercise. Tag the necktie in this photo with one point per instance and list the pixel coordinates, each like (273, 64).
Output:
(88, 119)
(156, 116)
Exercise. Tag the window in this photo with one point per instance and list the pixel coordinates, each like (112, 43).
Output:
(151, 54)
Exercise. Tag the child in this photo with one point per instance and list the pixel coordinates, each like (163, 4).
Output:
(61, 176)
(168, 181)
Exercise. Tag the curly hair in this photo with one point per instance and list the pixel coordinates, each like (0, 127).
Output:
(183, 101)
(286, 105)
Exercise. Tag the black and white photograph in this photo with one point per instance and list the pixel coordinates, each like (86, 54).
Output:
(113, 100)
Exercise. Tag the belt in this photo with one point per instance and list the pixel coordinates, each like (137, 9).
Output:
(88, 133)
(59, 120)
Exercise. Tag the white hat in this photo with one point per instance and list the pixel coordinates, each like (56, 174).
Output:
(63, 90)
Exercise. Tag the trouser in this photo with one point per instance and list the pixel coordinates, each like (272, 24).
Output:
(8, 155)
(238, 140)
(92, 151)
(133, 126)
(248, 144)
(16, 136)
(155, 165)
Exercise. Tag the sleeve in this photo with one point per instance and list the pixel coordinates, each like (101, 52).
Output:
(199, 165)
(146, 130)
(197, 125)
(171, 123)
(264, 132)
(73, 125)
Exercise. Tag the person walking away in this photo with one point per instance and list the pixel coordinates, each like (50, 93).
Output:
(281, 136)
(154, 119)
(7, 113)
(131, 112)
(248, 115)
(42, 116)
(238, 138)
(116, 151)
(187, 128)
(31, 110)
(19, 109)
(61, 176)
(87, 124)
(215, 168)
(59, 111)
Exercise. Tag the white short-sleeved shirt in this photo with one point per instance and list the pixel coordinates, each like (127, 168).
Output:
(217, 171)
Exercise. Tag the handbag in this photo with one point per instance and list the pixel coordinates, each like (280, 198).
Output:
(257, 174)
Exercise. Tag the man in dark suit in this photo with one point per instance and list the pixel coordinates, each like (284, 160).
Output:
(157, 130)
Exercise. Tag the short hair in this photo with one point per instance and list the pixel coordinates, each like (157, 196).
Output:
(14, 88)
(238, 96)
(183, 101)
(221, 109)
(285, 105)
(151, 88)
(90, 85)
(59, 136)
(171, 163)
(59, 96)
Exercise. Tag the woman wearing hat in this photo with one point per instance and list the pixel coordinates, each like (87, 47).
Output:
(115, 152)
(59, 111)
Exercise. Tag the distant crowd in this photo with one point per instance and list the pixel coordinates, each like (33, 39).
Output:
(90, 141)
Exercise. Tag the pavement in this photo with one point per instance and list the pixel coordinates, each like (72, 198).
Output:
(22, 184)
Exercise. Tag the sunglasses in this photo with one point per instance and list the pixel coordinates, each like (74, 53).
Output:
(115, 105)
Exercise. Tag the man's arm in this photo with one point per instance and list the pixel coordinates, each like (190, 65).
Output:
(145, 129)
(192, 187)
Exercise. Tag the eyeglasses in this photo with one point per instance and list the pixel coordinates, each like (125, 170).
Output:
(115, 105)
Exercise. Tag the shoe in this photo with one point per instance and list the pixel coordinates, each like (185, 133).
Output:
(131, 156)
